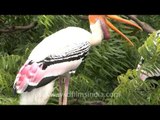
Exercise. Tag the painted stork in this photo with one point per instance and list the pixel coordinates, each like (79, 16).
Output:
(57, 56)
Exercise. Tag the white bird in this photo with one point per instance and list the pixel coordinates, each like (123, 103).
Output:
(57, 56)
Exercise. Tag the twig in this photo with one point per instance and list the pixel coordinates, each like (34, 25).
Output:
(146, 27)
(83, 17)
(16, 28)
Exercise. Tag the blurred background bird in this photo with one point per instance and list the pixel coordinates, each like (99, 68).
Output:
(149, 67)
(59, 55)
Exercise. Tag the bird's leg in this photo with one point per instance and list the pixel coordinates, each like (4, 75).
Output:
(60, 90)
(66, 81)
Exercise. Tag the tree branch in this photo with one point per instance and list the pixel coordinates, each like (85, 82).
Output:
(146, 27)
(16, 28)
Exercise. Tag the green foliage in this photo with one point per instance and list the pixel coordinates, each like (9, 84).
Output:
(53, 23)
(9, 41)
(133, 91)
(6, 100)
(9, 67)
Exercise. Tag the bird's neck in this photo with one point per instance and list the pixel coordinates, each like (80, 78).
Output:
(97, 33)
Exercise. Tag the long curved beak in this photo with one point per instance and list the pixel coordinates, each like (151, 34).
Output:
(117, 18)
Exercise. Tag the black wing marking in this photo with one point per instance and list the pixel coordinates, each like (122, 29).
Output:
(74, 54)
(48, 63)
(43, 82)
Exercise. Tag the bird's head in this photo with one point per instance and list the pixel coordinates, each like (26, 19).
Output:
(105, 24)
(149, 66)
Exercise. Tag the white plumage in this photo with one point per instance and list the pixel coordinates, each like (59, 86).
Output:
(60, 42)
(38, 96)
